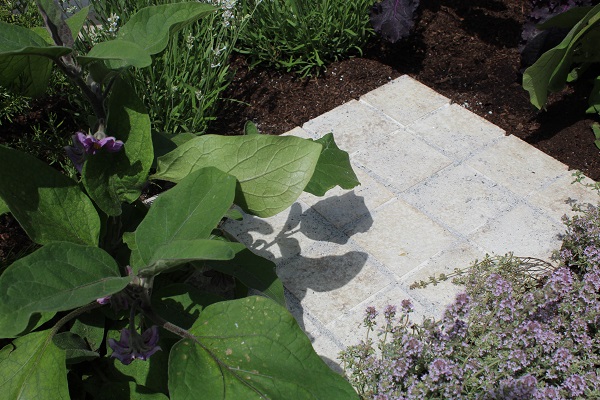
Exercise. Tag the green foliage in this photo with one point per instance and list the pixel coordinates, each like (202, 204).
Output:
(188, 78)
(223, 365)
(100, 244)
(304, 35)
(566, 62)
(48, 205)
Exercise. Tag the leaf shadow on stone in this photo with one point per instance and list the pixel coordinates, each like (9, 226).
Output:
(328, 224)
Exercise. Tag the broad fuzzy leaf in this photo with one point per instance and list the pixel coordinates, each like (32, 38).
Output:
(118, 54)
(76, 349)
(271, 171)
(32, 367)
(181, 304)
(112, 178)
(151, 27)
(189, 211)
(48, 205)
(251, 348)
(178, 252)
(255, 272)
(25, 60)
(394, 19)
(57, 277)
(333, 169)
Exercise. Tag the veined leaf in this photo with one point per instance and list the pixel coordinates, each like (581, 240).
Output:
(76, 349)
(112, 178)
(178, 252)
(152, 26)
(271, 171)
(255, 272)
(251, 348)
(57, 277)
(189, 211)
(333, 169)
(76, 21)
(32, 367)
(119, 54)
(48, 205)
(25, 60)
(181, 304)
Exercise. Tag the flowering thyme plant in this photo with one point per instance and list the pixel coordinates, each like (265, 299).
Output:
(106, 304)
(506, 337)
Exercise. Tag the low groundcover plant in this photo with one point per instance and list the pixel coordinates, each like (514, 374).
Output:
(509, 336)
(105, 307)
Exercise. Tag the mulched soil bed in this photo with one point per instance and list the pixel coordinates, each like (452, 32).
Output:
(465, 50)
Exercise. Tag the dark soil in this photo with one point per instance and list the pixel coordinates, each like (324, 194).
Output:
(465, 50)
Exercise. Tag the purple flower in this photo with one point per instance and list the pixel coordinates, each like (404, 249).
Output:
(575, 384)
(84, 145)
(132, 345)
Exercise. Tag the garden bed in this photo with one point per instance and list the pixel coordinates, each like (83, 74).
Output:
(467, 51)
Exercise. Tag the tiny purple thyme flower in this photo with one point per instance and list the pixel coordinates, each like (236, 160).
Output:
(132, 345)
(84, 145)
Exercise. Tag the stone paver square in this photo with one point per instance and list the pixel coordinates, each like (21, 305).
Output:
(341, 207)
(405, 99)
(457, 132)
(517, 165)
(459, 255)
(354, 125)
(461, 198)
(523, 231)
(401, 237)
(402, 159)
(330, 279)
(559, 198)
(349, 328)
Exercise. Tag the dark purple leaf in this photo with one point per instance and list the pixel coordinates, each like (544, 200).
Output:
(394, 19)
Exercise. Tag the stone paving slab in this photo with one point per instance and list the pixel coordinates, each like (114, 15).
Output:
(440, 188)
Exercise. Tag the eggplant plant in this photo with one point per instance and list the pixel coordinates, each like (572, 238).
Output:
(102, 306)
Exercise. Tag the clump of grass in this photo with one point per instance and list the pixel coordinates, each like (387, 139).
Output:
(304, 35)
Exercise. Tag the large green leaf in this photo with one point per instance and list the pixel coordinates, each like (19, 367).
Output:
(189, 211)
(57, 277)
(333, 169)
(48, 205)
(127, 391)
(25, 60)
(152, 26)
(251, 348)
(178, 252)
(76, 348)
(32, 367)
(181, 304)
(119, 54)
(255, 272)
(271, 171)
(549, 73)
(112, 178)
(76, 21)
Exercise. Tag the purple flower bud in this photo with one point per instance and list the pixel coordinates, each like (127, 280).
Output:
(132, 345)
(84, 145)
